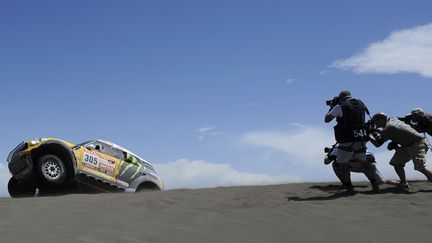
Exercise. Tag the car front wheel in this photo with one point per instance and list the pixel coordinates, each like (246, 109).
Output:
(52, 170)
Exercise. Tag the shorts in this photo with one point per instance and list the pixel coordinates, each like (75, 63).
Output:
(416, 153)
(345, 152)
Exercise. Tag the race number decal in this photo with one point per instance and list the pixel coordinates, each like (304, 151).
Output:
(99, 163)
(91, 160)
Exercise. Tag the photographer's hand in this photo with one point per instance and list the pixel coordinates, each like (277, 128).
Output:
(392, 145)
(376, 139)
(328, 118)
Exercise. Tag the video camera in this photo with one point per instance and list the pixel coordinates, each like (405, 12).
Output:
(371, 129)
(393, 145)
(333, 102)
(329, 158)
(407, 119)
(370, 126)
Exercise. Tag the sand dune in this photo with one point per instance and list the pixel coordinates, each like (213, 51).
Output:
(283, 213)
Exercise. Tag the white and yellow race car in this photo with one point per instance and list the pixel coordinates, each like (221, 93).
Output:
(52, 164)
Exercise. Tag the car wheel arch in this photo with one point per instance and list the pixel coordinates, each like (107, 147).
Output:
(147, 186)
(62, 151)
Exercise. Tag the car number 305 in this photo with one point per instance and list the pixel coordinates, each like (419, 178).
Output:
(90, 159)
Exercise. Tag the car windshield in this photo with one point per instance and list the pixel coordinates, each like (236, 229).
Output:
(85, 143)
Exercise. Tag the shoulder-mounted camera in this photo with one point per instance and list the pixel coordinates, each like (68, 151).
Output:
(333, 102)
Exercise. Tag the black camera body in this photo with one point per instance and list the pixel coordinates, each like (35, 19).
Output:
(371, 129)
(407, 119)
(418, 126)
(393, 145)
(329, 158)
(333, 102)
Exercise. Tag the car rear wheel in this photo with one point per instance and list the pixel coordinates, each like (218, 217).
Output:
(20, 188)
(52, 170)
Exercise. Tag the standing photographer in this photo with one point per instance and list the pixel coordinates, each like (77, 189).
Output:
(351, 138)
(408, 143)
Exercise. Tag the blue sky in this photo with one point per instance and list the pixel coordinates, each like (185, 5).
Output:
(216, 87)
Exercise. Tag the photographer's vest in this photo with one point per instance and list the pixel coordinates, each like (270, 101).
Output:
(351, 126)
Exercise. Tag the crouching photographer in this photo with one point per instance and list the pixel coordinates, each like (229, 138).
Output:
(351, 137)
(407, 143)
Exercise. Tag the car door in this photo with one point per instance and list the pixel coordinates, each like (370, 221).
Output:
(129, 169)
(99, 160)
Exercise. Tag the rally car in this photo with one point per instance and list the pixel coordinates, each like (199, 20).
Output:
(52, 164)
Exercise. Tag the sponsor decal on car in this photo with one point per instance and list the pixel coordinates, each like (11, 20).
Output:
(99, 162)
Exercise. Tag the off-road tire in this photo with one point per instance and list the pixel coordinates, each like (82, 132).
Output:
(19, 189)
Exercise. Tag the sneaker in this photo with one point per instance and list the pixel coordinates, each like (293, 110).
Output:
(404, 187)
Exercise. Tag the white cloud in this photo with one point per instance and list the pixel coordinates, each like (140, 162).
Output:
(204, 132)
(323, 72)
(204, 129)
(290, 81)
(186, 173)
(296, 124)
(4, 179)
(304, 146)
(408, 51)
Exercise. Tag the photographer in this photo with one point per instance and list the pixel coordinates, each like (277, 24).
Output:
(419, 120)
(408, 143)
(351, 137)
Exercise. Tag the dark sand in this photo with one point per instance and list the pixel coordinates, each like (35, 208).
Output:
(309, 212)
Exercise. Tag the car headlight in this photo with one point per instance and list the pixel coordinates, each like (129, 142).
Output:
(34, 142)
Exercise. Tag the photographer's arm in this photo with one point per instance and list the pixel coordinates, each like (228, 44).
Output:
(333, 113)
(328, 118)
